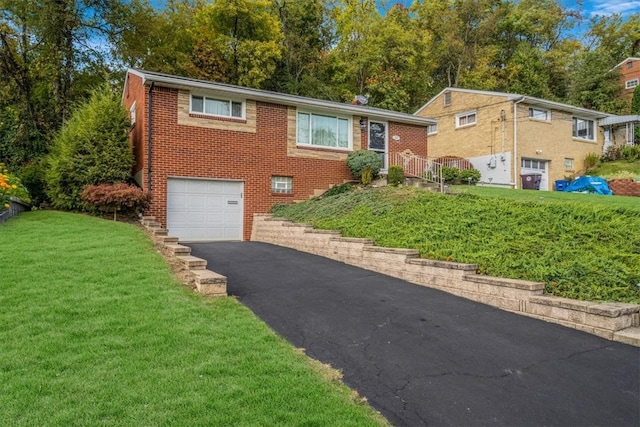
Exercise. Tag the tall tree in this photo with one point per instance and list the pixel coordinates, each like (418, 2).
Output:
(237, 41)
(307, 37)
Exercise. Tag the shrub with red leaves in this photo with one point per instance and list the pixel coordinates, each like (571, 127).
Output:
(115, 197)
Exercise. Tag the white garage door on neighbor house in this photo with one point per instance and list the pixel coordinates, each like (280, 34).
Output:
(204, 210)
(533, 166)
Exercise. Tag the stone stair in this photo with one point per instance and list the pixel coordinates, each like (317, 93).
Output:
(207, 282)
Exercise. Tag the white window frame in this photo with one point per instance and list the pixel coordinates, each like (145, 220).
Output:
(309, 142)
(282, 184)
(432, 129)
(533, 164)
(575, 132)
(132, 114)
(630, 84)
(568, 164)
(230, 101)
(466, 116)
(536, 113)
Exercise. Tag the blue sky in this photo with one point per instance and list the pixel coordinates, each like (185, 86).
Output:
(605, 7)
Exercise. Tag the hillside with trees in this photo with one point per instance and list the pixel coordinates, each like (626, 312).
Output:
(53, 53)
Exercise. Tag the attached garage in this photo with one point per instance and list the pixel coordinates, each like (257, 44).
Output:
(204, 209)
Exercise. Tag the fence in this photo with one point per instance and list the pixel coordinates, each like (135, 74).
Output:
(15, 207)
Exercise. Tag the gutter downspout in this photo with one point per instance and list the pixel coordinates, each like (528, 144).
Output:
(515, 142)
(149, 137)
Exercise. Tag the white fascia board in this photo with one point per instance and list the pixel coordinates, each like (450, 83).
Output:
(279, 98)
(578, 111)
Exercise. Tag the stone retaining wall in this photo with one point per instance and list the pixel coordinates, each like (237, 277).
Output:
(624, 187)
(521, 296)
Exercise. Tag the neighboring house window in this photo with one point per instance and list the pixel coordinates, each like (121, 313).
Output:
(447, 99)
(568, 164)
(216, 107)
(629, 84)
(132, 114)
(282, 184)
(432, 129)
(583, 129)
(539, 114)
(323, 131)
(466, 119)
(534, 164)
(629, 64)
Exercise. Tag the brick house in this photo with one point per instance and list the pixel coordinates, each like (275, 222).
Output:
(629, 76)
(211, 155)
(507, 135)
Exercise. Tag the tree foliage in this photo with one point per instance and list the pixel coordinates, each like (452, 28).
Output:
(54, 52)
(91, 148)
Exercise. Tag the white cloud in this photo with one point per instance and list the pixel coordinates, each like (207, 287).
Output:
(609, 7)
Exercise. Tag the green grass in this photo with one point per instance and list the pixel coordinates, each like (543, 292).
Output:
(579, 246)
(95, 330)
(550, 196)
(611, 168)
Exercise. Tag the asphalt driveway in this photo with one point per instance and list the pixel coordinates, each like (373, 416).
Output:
(424, 357)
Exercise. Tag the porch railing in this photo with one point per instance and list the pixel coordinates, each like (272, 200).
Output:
(421, 167)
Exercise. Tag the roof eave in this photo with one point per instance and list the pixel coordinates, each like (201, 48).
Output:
(291, 100)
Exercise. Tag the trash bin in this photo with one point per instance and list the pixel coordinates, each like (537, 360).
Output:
(561, 184)
(531, 181)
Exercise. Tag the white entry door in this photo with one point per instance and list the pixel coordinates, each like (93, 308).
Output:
(204, 209)
(534, 166)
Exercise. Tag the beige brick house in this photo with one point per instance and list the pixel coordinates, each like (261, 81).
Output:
(507, 135)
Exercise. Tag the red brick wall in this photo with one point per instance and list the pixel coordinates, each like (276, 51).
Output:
(190, 151)
(624, 187)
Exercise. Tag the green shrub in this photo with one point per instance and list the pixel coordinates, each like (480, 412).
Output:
(362, 160)
(33, 178)
(395, 176)
(450, 175)
(120, 197)
(470, 176)
(591, 161)
(630, 153)
(612, 153)
(92, 148)
(338, 189)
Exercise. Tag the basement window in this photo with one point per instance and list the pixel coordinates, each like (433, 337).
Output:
(282, 184)
(216, 107)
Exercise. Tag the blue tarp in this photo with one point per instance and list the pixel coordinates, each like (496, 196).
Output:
(589, 184)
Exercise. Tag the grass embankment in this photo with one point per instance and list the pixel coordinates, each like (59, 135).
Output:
(579, 249)
(95, 330)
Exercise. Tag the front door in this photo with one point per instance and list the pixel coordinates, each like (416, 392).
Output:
(378, 141)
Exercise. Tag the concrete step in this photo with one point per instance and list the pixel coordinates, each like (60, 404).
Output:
(629, 336)
(210, 283)
(146, 220)
(158, 231)
(167, 240)
(192, 263)
(178, 250)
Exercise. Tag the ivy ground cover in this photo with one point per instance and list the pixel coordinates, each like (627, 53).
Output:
(579, 249)
(95, 330)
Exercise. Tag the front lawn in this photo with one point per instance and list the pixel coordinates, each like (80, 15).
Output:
(581, 246)
(95, 330)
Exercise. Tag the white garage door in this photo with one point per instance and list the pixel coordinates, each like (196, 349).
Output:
(204, 210)
(533, 166)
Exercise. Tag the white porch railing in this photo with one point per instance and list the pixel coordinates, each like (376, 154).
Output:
(419, 167)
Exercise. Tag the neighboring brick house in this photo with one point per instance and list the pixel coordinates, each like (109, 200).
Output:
(629, 76)
(212, 155)
(507, 135)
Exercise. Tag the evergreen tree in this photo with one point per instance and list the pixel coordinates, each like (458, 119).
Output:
(91, 148)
